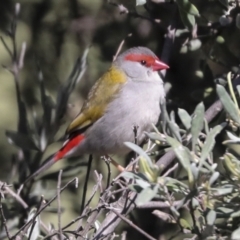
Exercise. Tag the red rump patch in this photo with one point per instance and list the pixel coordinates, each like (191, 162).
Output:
(150, 60)
(70, 144)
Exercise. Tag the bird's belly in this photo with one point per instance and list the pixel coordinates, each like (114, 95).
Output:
(133, 109)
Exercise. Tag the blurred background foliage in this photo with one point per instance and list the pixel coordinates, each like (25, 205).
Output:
(206, 47)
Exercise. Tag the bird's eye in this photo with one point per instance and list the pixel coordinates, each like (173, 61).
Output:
(143, 62)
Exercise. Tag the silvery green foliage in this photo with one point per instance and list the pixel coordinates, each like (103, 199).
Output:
(202, 187)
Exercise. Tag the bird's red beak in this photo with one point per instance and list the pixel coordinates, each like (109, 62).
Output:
(158, 65)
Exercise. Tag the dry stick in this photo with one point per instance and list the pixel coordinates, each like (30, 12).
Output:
(14, 195)
(135, 131)
(120, 46)
(131, 224)
(86, 182)
(42, 208)
(170, 170)
(125, 204)
(68, 225)
(4, 221)
(153, 204)
(94, 214)
(59, 204)
(107, 161)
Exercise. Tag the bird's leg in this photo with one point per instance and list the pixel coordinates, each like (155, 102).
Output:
(117, 165)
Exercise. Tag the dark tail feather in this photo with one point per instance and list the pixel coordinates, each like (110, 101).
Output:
(45, 165)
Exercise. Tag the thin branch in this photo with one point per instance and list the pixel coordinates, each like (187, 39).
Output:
(170, 170)
(153, 204)
(135, 131)
(59, 204)
(120, 46)
(14, 195)
(4, 221)
(131, 224)
(6, 47)
(109, 170)
(41, 209)
(22, 55)
(126, 204)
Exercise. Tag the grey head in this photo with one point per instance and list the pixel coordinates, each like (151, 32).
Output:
(139, 64)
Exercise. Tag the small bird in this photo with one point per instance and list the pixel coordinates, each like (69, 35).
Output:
(129, 94)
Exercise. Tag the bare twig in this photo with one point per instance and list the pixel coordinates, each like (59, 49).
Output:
(14, 195)
(120, 46)
(42, 208)
(109, 170)
(131, 223)
(22, 55)
(135, 131)
(125, 204)
(6, 46)
(170, 170)
(59, 203)
(4, 221)
(153, 204)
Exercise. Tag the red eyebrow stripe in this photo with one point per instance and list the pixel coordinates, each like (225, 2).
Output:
(139, 57)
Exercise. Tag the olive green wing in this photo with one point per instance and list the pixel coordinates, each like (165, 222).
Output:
(98, 98)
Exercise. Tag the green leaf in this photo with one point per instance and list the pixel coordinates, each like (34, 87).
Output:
(135, 176)
(236, 234)
(228, 104)
(194, 170)
(184, 224)
(146, 195)
(232, 164)
(157, 138)
(185, 118)
(222, 191)
(140, 2)
(142, 183)
(182, 152)
(235, 214)
(34, 229)
(184, 156)
(175, 212)
(188, 7)
(21, 140)
(233, 139)
(139, 151)
(214, 177)
(146, 166)
(238, 86)
(188, 20)
(197, 123)
(225, 210)
(47, 104)
(173, 127)
(210, 142)
(211, 217)
(194, 45)
(66, 89)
